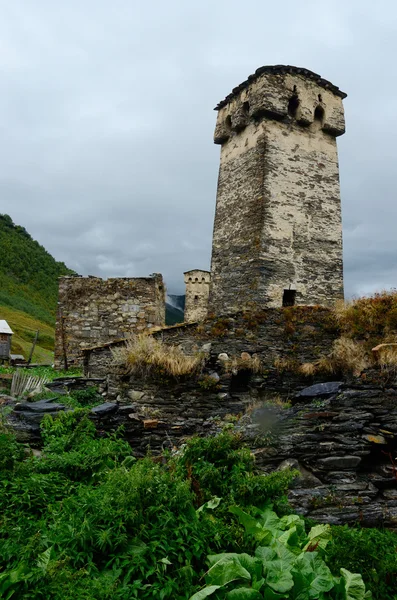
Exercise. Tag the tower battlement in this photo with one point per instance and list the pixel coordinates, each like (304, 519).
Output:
(281, 93)
(278, 233)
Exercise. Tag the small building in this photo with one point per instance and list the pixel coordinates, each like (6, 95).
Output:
(5, 340)
(197, 284)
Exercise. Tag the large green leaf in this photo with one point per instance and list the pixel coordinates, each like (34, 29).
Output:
(354, 586)
(210, 505)
(319, 536)
(227, 569)
(269, 594)
(312, 574)
(279, 576)
(253, 565)
(205, 592)
(252, 526)
(289, 521)
(290, 538)
(244, 594)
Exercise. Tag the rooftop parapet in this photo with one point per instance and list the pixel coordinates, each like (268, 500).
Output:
(283, 93)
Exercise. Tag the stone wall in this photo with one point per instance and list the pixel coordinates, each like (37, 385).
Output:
(296, 335)
(92, 311)
(278, 213)
(197, 284)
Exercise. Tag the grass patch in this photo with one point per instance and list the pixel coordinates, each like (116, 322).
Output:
(147, 356)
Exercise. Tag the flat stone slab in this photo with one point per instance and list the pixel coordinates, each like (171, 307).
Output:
(46, 406)
(320, 390)
(339, 462)
(106, 408)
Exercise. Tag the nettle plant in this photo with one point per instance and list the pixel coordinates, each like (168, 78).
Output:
(287, 564)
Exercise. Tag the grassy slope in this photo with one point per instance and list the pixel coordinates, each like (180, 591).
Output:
(24, 327)
(28, 290)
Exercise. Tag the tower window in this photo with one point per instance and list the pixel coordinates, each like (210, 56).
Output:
(293, 105)
(228, 122)
(246, 107)
(196, 299)
(289, 297)
(319, 114)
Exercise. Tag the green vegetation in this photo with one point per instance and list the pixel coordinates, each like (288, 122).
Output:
(87, 520)
(28, 273)
(28, 290)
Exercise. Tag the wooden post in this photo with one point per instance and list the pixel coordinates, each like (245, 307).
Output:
(33, 347)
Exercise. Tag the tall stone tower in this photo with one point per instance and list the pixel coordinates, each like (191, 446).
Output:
(278, 233)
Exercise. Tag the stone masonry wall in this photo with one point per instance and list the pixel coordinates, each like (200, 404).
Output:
(197, 284)
(298, 334)
(92, 311)
(278, 214)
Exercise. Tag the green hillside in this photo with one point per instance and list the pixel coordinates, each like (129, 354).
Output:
(28, 289)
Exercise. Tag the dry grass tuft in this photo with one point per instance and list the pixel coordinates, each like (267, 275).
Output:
(308, 369)
(250, 363)
(347, 356)
(285, 364)
(146, 356)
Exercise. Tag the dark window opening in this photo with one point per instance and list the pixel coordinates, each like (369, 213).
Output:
(240, 382)
(293, 105)
(320, 98)
(196, 298)
(228, 122)
(295, 90)
(246, 107)
(319, 114)
(289, 297)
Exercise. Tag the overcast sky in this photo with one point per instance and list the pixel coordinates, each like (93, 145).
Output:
(106, 123)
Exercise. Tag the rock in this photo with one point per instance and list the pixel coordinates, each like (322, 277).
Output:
(375, 439)
(206, 348)
(223, 357)
(245, 356)
(150, 423)
(42, 406)
(339, 462)
(320, 390)
(213, 375)
(135, 395)
(305, 479)
(104, 409)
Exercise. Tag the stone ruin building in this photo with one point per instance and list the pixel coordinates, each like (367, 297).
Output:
(277, 237)
(197, 285)
(278, 232)
(92, 311)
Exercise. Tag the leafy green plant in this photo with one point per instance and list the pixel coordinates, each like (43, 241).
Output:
(372, 552)
(287, 564)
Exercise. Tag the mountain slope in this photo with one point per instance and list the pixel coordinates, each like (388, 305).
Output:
(28, 290)
(174, 309)
(28, 273)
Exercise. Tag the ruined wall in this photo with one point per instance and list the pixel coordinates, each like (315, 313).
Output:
(298, 334)
(278, 215)
(197, 284)
(92, 311)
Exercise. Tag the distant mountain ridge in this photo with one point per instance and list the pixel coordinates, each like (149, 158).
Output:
(174, 309)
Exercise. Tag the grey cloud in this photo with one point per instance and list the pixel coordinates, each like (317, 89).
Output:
(106, 123)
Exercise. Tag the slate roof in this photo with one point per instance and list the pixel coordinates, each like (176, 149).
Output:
(281, 70)
(5, 328)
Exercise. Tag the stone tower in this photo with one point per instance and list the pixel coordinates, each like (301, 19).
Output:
(277, 237)
(197, 284)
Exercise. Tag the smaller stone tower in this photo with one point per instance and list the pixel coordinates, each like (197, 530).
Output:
(197, 291)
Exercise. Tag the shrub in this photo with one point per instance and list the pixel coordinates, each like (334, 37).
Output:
(223, 466)
(147, 356)
(372, 552)
(288, 563)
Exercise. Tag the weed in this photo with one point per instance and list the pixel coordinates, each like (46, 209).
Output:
(147, 356)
